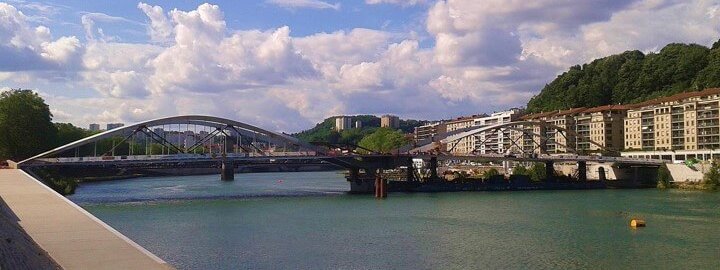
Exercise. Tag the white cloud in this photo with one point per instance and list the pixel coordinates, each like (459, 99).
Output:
(160, 27)
(89, 19)
(482, 56)
(316, 4)
(396, 2)
(23, 47)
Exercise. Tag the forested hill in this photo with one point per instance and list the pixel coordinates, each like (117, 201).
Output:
(632, 77)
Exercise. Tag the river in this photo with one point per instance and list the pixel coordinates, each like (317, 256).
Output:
(306, 221)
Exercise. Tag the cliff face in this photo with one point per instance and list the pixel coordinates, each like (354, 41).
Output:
(17, 249)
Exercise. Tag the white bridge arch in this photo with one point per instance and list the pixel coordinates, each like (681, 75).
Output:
(220, 125)
(452, 138)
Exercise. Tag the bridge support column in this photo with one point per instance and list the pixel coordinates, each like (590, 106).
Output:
(433, 169)
(354, 174)
(582, 171)
(380, 186)
(549, 171)
(410, 173)
(227, 171)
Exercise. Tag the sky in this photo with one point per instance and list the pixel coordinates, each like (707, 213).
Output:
(285, 65)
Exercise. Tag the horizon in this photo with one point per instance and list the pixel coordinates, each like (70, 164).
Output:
(267, 64)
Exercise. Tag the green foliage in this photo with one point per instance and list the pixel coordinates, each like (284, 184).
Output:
(664, 178)
(490, 173)
(711, 180)
(383, 140)
(61, 184)
(632, 77)
(25, 125)
(536, 172)
(67, 133)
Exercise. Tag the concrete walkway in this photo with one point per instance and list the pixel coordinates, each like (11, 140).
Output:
(74, 238)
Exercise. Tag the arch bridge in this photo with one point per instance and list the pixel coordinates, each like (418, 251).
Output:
(211, 142)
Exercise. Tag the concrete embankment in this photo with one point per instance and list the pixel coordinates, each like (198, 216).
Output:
(71, 236)
(17, 249)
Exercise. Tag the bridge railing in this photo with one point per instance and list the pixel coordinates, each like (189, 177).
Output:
(173, 157)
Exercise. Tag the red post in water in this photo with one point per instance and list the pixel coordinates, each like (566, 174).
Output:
(378, 191)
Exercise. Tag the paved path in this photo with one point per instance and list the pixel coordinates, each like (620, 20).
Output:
(71, 236)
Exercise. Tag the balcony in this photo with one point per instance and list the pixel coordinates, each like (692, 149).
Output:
(708, 116)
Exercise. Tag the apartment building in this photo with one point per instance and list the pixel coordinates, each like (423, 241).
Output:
(685, 125)
(497, 141)
(429, 131)
(464, 145)
(390, 121)
(576, 129)
(343, 123)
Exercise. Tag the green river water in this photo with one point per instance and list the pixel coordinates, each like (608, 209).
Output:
(306, 221)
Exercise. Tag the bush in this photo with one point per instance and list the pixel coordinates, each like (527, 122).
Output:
(711, 180)
(664, 178)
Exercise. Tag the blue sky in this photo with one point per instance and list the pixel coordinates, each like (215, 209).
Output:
(286, 64)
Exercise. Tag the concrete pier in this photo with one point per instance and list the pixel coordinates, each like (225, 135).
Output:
(74, 238)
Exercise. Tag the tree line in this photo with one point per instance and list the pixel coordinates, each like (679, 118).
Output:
(632, 77)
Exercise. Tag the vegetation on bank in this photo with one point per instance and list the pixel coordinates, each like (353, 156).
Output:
(632, 77)
(383, 140)
(663, 177)
(536, 172)
(711, 180)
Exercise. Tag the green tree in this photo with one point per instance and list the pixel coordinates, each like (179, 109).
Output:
(383, 140)
(490, 173)
(632, 77)
(67, 133)
(664, 177)
(537, 172)
(26, 127)
(711, 180)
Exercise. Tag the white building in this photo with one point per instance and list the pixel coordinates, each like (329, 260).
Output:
(495, 142)
(343, 123)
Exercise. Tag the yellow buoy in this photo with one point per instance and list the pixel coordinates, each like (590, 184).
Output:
(637, 223)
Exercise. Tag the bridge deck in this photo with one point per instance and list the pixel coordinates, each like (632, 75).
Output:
(72, 237)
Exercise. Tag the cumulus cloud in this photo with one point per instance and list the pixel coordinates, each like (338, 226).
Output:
(316, 4)
(160, 28)
(23, 47)
(481, 56)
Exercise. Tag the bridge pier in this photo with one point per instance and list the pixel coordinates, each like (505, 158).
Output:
(549, 171)
(227, 171)
(380, 186)
(582, 171)
(433, 169)
(409, 174)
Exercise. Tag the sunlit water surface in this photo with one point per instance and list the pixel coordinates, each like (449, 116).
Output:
(306, 221)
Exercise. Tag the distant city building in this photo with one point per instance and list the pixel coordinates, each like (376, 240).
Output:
(390, 121)
(358, 124)
(429, 131)
(114, 125)
(94, 127)
(343, 123)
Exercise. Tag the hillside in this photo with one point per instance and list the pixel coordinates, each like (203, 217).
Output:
(325, 130)
(632, 77)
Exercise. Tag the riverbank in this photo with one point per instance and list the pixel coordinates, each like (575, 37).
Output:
(17, 248)
(71, 236)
